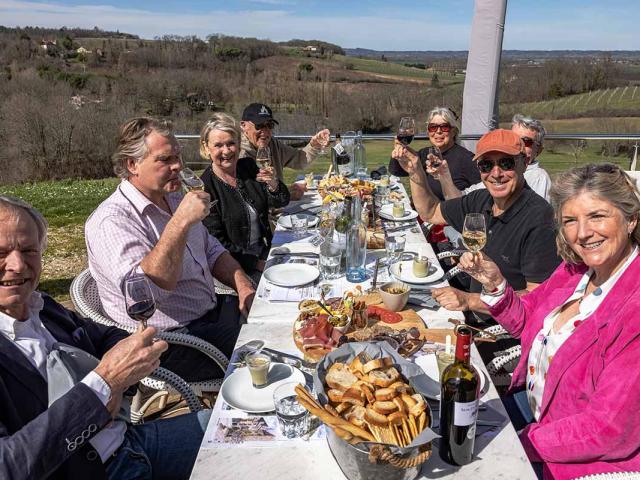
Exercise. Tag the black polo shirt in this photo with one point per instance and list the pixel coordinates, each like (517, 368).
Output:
(463, 169)
(521, 241)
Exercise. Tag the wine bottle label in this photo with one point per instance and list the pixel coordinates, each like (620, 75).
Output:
(464, 414)
(338, 148)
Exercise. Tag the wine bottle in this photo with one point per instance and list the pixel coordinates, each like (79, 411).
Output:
(459, 394)
(342, 162)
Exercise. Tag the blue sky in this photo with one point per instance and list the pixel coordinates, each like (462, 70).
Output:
(375, 24)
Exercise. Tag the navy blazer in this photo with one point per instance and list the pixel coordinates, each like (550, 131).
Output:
(38, 442)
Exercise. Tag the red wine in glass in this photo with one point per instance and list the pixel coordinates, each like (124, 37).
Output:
(406, 130)
(139, 299)
(405, 139)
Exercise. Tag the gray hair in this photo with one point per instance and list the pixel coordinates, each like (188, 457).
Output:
(132, 142)
(17, 206)
(604, 180)
(530, 124)
(450, 117)
(219, 121)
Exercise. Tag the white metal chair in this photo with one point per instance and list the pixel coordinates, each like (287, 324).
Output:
(501, 367)
(85, 297)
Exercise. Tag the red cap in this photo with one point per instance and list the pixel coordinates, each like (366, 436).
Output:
(499, 140)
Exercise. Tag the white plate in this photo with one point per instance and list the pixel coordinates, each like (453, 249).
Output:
(406, 273)
(285, 220)
(429, 365)
(387, 212)
(238, 391)
(291, 274)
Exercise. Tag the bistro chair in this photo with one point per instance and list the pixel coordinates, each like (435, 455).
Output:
(85, 297)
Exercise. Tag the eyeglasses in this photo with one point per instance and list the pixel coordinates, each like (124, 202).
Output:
(433, 127)
(528, 141)
(266, 125)
(505, 163)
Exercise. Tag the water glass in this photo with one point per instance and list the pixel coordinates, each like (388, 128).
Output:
(394, 245)
(330, 260)
(258, 365)
(443, 359)
(310, 180)
(299, 225)
(293, 417)
(361, 173)
(384, 181)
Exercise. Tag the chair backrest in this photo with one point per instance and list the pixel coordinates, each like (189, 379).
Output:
(86, 299)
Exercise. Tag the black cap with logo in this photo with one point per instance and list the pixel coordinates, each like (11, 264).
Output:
(258, 113)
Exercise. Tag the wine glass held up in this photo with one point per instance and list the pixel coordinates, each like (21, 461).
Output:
(190, 181)
(406, 130)
(434, 159)
(139, 299)
(474, 232)
(263, 158)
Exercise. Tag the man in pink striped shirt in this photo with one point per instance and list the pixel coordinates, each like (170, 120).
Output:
(148, 227)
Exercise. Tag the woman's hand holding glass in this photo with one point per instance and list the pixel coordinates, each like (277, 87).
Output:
(437, 168)
(266, 175)
(483, 269)
(407, 158)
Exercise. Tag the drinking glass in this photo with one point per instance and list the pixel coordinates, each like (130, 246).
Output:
(258, 365)
(406, 130)
(443, 359)
(139, 299)
(474, 232)
(263, 157)
(299, 225)
(323, 140)
(325, 224)
(394, 246)
(435, 162)
(330, 259)
(361, 173)
(190, 181)
(293, 417)
(310, 180)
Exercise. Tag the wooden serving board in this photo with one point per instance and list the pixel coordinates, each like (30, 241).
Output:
(410, 319)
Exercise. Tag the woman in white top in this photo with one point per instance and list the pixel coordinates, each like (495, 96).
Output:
(580, 330)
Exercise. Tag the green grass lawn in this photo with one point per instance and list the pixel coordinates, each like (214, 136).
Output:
(66, 204)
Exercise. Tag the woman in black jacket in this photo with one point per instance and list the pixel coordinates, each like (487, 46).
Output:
(239, 220)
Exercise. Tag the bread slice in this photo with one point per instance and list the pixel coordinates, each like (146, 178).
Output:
(340, 377)
(374, 418)
(377, 364)
(385, 394)
(356, 415)
(385, 407)
(335, 395)
(354, 396)
(384, 378)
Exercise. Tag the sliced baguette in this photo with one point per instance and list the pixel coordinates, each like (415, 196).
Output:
(385, 407)
(385, 394)
(340, 377)
(335, 395)
(374, 418)
(377, 363)
(384, 378)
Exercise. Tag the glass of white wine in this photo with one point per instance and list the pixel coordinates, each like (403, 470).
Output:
(263, 157)
(474, 232)
(190, 181)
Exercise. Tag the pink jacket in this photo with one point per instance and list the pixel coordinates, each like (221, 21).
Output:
(590, 413)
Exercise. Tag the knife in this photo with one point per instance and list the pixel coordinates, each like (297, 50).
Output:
(280, 356)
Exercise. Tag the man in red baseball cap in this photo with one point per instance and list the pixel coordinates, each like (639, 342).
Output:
(519, 223)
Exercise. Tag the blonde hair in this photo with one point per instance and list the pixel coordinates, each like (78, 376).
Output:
(604, 180)
(219, 121)
(132, 141)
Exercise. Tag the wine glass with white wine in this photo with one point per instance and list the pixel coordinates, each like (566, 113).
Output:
(474, 232)
(190, 181)
(263, 158)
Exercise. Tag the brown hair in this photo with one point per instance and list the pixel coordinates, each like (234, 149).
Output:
(604, 180)
(132, 141)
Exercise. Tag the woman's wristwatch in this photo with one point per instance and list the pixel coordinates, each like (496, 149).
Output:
(496, 292)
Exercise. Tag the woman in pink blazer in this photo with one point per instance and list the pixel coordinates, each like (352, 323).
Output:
(580, 330)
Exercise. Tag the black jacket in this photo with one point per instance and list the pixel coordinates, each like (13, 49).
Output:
(37, 441)
(229, 219)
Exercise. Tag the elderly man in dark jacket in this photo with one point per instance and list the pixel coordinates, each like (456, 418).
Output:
(48, 431)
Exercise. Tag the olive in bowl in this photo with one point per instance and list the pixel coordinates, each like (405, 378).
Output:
(395, 295)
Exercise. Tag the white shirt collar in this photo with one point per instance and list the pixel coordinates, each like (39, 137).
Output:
(11, 327)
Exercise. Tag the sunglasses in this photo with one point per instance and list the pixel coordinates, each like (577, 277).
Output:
(433, 127)
(266, 125)
(505, 163)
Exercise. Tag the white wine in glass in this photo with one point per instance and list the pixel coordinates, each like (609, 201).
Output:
(263, 157)
(474, 232)
(190, 181)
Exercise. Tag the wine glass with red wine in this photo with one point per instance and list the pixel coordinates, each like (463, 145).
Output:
(139, 299)
(406, 130)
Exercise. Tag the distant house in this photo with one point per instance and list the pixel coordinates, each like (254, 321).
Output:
(82, 51)
(310, 48)
(48, 45)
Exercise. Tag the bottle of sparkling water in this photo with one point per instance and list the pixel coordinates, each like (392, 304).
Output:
(360, 157)
(356, 251)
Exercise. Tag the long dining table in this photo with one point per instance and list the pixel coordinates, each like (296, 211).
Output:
(497, 454)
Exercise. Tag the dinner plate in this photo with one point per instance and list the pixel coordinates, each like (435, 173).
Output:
(238, 391)
(387, 212)
(405, 274)
(291, 274)
(429, 365)
(285, 220)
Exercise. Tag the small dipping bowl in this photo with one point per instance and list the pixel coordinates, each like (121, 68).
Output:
(394, 301)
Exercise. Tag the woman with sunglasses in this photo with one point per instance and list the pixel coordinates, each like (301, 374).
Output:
(580, 330)
(443, 130)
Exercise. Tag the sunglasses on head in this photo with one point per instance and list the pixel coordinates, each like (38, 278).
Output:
(505, 163)
(433, 127)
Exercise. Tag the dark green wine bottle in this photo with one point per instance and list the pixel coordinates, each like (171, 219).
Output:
(459, 394)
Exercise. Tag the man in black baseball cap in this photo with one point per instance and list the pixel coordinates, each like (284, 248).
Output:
(257, 131)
